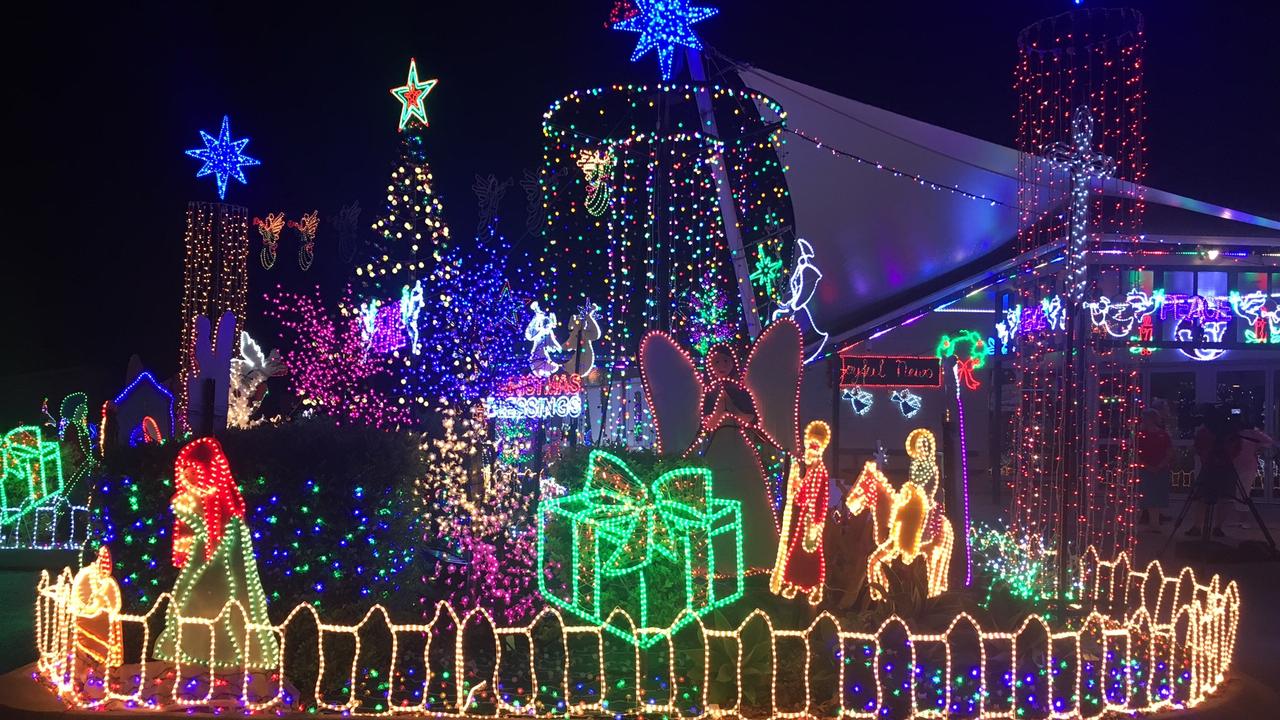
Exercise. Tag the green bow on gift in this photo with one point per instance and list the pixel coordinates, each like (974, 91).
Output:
(642, 521)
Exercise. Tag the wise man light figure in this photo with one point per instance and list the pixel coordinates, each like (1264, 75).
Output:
(801, 566)
(803, 284)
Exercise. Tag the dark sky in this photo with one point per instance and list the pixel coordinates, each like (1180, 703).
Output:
(105, 100)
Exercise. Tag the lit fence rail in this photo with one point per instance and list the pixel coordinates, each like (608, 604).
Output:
(1145, 641)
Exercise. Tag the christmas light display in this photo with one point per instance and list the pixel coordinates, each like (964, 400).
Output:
(801, 566)
(540, 332)
(95, 603)
(411, 231)
(209, 381)
(524, 406)
(859, 400)
(1118, 318)
(975, 357)
(908, 402)
(52, 524)
(307, 228)
(583, 331)
(712, 319)
(412, 95)
(411, 303)
(663, 25)
(382, 327)
(766, 271)
(803, 284)
(329, 369)
(618, 530)
(1191, 330)
(250, 371)
(215, 280)
(744, 424)
(32, 470)
(1081, 96)
(151, 431)
(129, 419)
(906, 522)
(484, 517)
(223, 157)
(1264, 324)
(1085, 166)
(597, 170)
(1149, 642)
(901, 371)
(213, 548)
(1022, 566)
(1193, 319)
(270, 230)
(657, 257)
(1053, 313)
(470, 335)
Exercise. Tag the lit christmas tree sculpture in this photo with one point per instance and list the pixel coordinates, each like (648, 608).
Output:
(411, 233)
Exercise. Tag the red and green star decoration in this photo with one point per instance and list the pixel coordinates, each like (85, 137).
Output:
(411, 96)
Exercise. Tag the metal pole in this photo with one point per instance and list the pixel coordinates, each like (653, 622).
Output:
(728, 210)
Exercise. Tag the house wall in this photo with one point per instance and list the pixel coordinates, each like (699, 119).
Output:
(884, 423)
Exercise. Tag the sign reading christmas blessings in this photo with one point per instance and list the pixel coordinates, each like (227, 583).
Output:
(897, 371)
(530, 396)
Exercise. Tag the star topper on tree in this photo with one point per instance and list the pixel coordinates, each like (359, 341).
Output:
(223, 157)
(664, 24)
(412, 95)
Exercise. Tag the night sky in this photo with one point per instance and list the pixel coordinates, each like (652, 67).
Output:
(103, 101)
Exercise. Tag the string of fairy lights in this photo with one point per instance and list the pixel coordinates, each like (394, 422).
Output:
(1074, 467)
(664, 236)
(633, 204)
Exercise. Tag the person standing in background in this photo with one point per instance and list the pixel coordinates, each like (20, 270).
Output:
(1217, 444)
(1155, 458)
(1252, 442)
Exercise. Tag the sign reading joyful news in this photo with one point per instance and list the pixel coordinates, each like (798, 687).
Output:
(890, 371)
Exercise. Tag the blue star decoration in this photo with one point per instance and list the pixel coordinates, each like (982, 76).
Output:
(223, 157)
(664, 24)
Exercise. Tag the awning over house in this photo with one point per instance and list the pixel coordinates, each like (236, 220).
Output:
(897, 209)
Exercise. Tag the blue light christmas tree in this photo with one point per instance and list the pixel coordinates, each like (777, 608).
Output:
(469, 344)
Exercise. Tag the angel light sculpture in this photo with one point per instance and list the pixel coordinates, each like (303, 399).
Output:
(741, 421)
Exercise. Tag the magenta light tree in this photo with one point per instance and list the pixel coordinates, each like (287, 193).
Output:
(329, 368)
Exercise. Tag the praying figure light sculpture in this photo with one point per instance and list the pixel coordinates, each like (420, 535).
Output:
(801, 566)
(218, 590)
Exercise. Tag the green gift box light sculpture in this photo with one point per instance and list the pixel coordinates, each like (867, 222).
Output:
(663, 553)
